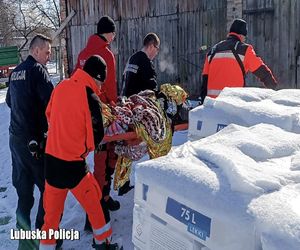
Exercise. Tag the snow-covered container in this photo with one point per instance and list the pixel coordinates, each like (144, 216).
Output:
(246, 107)
(237, 189)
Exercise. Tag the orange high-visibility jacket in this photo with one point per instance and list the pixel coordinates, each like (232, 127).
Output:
(97, 46)
(70, 133)
(223, 69)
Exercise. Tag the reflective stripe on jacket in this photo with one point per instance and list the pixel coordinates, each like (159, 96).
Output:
(139, 75)
(213, 92)
(222, 69)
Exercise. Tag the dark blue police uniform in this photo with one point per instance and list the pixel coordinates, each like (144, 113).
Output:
(27, 96)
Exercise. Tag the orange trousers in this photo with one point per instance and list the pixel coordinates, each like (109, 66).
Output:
(88, 193)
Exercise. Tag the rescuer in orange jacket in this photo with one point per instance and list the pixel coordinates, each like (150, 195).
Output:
(105, 158)
(98, 44)
(75, 129)
(228, 61)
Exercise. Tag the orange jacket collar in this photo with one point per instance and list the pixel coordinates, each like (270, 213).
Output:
(83, 77)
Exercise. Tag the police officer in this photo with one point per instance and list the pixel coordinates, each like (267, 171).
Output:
(27, 96)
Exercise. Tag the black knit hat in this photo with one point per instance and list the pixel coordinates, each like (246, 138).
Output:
(95, 66)
(239, 26)
(106, 25)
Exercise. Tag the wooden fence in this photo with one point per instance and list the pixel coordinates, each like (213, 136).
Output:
(274, 30)
(185, 26)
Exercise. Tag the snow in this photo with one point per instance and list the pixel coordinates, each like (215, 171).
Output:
(246, 177)
(74, 216)
(281, 226)
(53, 69)
(246, 107)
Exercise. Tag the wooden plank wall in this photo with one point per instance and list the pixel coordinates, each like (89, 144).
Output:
(274, 31)
(183, 27)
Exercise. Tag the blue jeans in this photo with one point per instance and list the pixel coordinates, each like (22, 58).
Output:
(26, 172)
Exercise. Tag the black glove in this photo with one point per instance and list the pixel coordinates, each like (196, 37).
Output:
(163, 100)
(183, 112)
(36, 149)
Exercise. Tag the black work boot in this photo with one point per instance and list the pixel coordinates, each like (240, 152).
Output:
(101, 246)
(114, 246)
(125, 188)
(112, 205)
(106, 246)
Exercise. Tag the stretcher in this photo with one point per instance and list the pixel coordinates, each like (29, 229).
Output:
(132, 135)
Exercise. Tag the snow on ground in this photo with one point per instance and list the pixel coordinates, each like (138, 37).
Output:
(54, 72)
(246, 179)
(74, 216)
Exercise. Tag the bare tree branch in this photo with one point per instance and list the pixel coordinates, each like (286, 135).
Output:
(42, 10)
(57, 11)
(51, 12)
(22, 18)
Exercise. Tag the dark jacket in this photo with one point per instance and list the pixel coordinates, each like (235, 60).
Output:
(28, 94)
(139, 75)
(227, 63)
